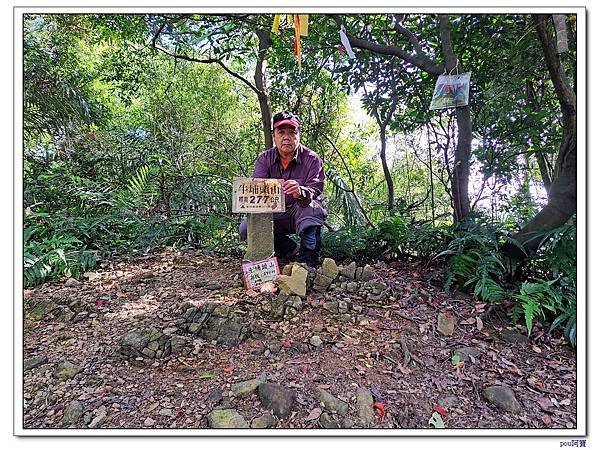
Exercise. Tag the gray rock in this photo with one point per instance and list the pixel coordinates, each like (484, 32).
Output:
(322, 282)
(332, 306)
(342, 307)
(377, 288)
(316, 341)
(513, 336)
(278, 305)
(445, 323)
(215, 395)
(80, 316)
(358, 273)
(503, 397)
(215, 322)
(137, 340)
(248, 387)
(149, 422)
(327, 421)
(364, 406)
(99, 417)
(72, 282)
(348, 271)
(72, 412)
(39, 310)
(331, 403)
(347, 423)
(465, 352)
(87, 417)
(277, 398)
(147, 352)
(293, 305)
(352, 286)
(294, 284)
(213, 286)
(66, 370)
(32, 363)
(226, 418)
(367, 273)
(165, 412)
(267, 420)
(260, 237)
(329, 268)
(349, 318)
(448, 401)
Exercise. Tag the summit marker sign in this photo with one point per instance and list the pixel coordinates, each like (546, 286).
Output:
(258, 195)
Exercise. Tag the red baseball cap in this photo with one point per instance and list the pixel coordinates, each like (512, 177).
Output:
(286, 118)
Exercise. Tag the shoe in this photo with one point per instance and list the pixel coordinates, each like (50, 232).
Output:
(308, 257)
(284, 260)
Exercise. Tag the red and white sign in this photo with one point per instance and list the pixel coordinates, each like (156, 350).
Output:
(260, 272)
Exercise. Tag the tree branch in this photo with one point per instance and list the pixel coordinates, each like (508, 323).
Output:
(420, 60)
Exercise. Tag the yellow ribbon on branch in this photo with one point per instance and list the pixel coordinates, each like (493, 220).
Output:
(300, 23)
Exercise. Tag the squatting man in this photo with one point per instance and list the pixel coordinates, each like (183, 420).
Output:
(303, 179)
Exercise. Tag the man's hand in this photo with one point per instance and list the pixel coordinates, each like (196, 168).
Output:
(292, 187)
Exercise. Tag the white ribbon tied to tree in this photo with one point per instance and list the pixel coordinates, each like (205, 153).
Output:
(346, 43)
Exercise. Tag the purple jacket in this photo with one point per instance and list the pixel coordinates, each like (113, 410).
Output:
(306, 168)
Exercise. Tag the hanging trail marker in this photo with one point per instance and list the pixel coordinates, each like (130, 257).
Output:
(260, 272)
(346, 43)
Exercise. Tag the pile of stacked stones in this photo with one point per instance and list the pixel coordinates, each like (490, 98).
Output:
(344, 286)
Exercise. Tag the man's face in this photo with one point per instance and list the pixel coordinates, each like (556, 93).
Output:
(286, 139)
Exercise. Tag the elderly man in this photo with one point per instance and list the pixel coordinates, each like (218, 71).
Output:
(302, 172)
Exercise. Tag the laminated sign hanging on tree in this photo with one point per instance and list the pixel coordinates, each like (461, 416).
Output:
(451, 91)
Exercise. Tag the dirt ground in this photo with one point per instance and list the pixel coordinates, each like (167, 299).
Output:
(393, 348)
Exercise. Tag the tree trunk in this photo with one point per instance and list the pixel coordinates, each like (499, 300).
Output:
(544, 170)
(462, 154)
(386, 171)
(539, 155)
(562, 196)
(260, 81)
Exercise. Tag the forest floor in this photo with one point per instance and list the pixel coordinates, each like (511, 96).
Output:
(76, 374)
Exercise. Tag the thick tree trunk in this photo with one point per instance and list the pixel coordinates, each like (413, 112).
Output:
(386, 171)
(562, 196)
(260, 80)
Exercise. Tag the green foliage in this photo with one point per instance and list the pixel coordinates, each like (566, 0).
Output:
(52, 257)
(546, 286)
(347, 243)
(474, 259)
(389, 239)
(568, 319)
(535, 299)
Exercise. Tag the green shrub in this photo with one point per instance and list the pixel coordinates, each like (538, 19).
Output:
(53, 257)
